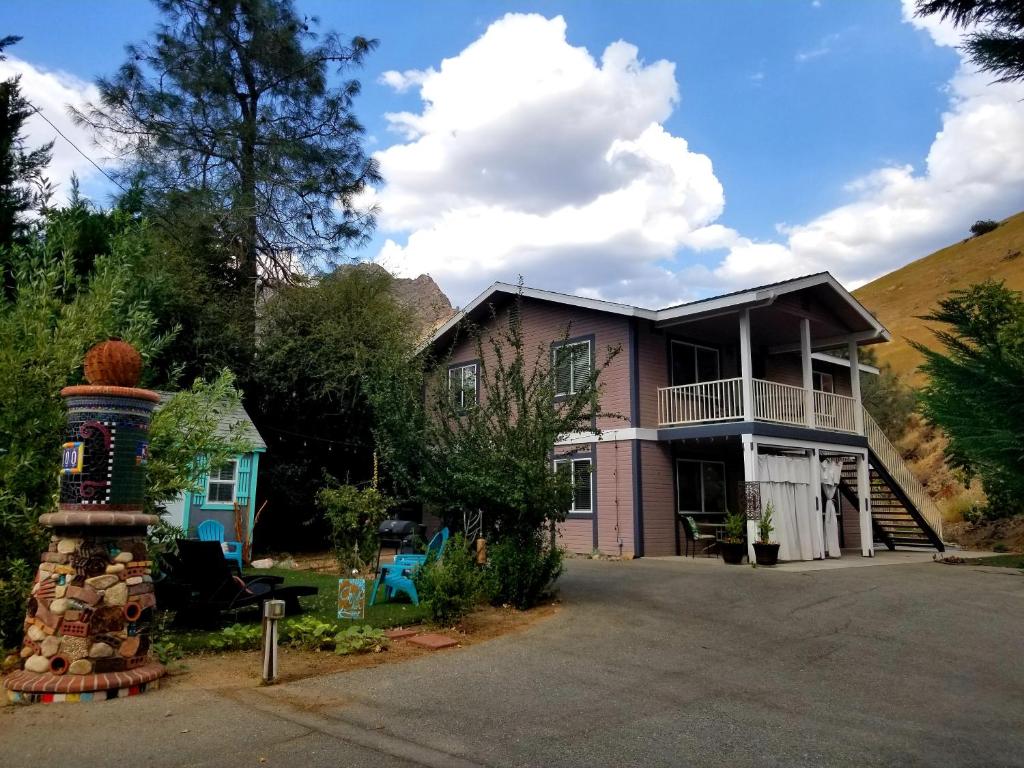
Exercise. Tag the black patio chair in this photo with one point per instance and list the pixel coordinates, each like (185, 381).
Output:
(695, 539)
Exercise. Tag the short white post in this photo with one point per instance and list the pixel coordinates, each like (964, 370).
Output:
(867, 535)
(746, 366)
(858, 414)
(805, 361)
(273, 611)
(750, 476)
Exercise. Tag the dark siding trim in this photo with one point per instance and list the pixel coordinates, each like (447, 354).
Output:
(638, 502)
(593, 500)
(762, 429)
(675, 503)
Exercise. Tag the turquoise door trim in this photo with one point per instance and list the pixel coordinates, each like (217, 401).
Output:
(253, 473)
(187, 512)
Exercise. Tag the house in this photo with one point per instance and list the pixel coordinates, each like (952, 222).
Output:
(722, 405)
(225, 486)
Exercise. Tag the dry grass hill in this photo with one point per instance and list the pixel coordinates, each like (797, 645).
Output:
(900, 297)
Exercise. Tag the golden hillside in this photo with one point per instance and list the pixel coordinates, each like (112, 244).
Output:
(900, 297)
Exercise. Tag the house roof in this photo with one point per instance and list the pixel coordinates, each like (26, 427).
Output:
(761, 295)
(228, 420)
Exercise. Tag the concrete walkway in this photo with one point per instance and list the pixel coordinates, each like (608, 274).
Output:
(649, 663)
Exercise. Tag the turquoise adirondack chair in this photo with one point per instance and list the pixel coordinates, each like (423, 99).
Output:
(397, 576)
(211, 530)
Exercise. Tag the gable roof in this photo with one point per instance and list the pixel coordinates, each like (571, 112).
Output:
(758, 295)
(228, 420)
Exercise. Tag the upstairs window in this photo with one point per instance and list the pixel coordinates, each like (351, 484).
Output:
(581, 478)
(692, 363)
(572, 367)
(823, 382)
(462, 385)
(221, 484)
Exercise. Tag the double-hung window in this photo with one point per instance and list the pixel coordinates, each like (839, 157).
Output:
(693, 363)
(220, 487)
(701, 486)
(582, 480)
(572, 367)
(823, 382)
(462, 385)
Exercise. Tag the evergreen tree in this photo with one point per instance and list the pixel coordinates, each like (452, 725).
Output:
(975, 391)
(997, 45)
(23, 187)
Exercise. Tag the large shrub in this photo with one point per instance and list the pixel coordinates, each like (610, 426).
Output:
(354, 515)
(451, 586)
(522, 570)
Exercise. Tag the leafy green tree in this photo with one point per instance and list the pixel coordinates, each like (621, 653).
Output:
(23, 186)
(997, 43)
(975, 391)
(228, 116)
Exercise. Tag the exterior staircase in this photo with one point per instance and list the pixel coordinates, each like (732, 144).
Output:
(902, 513)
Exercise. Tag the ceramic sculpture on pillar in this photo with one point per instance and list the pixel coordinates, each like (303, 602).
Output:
(86, 628)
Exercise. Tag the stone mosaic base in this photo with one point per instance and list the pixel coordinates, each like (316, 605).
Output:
(27, 697)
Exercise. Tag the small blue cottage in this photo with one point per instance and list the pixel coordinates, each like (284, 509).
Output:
(224, 487)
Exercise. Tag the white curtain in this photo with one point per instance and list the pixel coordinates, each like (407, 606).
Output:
(785, 482)
(831, 476)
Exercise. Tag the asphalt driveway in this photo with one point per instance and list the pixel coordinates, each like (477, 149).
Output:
(649, 663)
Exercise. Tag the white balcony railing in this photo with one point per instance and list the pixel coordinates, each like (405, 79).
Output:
(722, 400)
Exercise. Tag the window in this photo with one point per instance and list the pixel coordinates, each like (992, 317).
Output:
(581, 478)
(823, 382)
(221, 484)
(692, 363)
(701, 486)
(462, 385)
(571, 364)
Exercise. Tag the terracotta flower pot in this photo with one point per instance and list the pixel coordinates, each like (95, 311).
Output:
(113, 363)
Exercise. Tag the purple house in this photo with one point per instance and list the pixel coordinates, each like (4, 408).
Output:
(760, 386)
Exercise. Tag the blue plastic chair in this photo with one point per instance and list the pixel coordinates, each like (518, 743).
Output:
(211, 530)
(397, 577)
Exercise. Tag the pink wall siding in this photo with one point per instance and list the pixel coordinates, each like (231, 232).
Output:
(614, 481)
(658, 498)
(851, 524)
(577, 536)
(652, 361)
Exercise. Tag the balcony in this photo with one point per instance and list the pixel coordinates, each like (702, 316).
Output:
(709, 402)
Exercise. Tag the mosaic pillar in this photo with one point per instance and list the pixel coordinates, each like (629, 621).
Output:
(86, 628)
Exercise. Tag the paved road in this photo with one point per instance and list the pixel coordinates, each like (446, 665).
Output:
(650, 663)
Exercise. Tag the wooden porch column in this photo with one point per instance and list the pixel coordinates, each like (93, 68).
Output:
(750, 476)
(746, 366)
(867, 534)
(805, 361)
(858, 414)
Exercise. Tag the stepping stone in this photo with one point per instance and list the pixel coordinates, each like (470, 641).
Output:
(399, 634)
(433, 641)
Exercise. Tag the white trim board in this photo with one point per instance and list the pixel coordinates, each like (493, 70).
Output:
(608, 436)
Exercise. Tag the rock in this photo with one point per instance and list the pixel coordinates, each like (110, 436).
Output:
(59, 605)
(85, 595)
(266, 562)
(147, 578)
(115, 568)
(131, 581)
(49, 646)
(35, 633)
(80, 667)
(101, 582)
(60, 590)
(67, 546)
(129, 647)
(124, 557)
(100, 651)
(74, 648)
(37, 664)
(27, 651)
(116, 595)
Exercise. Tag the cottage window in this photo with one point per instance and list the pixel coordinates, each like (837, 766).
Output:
(701, 486)
(572, 367)
(692, 363)
(462, 385)
(823, 382)
(221, 484)
(581, 478)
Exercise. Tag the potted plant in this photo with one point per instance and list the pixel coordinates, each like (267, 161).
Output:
(733, 544)
(766, 552)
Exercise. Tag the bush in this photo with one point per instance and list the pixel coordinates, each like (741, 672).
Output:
(15, 583)
(522, 571)
(353, 516)
(983, 226)
(313, 634)
(452, 586)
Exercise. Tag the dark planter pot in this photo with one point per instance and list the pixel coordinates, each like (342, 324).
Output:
(766, 554)
(733, 551)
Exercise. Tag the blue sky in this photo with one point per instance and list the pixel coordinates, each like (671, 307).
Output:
(790, 103)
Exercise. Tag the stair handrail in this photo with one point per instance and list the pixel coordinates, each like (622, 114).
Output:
(892, 461)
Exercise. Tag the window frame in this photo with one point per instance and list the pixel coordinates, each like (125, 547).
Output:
(694, 347)
(819, 377)
(212, 481)
(572, 460)
(560, 345)
(703, 498)
(475, 365)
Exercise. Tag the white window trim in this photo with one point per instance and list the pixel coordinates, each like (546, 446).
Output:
(572, 371)
(234, 485)
(694, 347)
(462, 383)
(572, 461)
(703, 503)
(831, 382)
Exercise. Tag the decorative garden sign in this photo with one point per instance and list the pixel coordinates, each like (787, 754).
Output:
(351, 598)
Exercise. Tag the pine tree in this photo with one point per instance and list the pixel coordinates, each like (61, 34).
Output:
(997, 44)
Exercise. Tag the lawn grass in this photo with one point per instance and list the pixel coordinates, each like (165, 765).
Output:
(323, 606)
(1002, 561)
